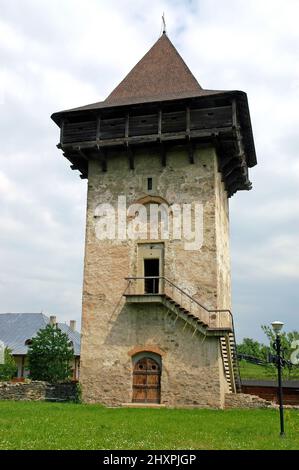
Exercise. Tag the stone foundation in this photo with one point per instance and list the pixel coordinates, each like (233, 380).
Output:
(242, 400)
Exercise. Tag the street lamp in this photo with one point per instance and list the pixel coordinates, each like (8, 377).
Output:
(277, 326)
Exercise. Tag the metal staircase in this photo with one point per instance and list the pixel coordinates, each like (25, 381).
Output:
(191, 311)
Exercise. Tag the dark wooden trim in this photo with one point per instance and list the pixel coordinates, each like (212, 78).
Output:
(160, 123)
(82, 154)
(127, 124)
(98, 132)
(188, 121)
(231, 166)
(234, 114)
(224, 161)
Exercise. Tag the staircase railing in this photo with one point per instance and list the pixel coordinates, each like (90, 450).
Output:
(160, 285)
(213, 318)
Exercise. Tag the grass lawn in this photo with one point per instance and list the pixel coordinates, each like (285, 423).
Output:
(38, 425)
(253, 371)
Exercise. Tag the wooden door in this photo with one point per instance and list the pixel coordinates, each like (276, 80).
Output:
(146, 381)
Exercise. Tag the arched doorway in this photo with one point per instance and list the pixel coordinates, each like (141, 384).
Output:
(146, 379)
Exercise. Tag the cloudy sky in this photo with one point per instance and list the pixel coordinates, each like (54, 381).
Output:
(58, 54)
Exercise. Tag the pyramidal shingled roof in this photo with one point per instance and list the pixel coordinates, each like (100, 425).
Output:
(161, 72)
(160, 75)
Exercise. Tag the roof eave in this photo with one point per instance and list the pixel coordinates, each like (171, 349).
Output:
(241, 97)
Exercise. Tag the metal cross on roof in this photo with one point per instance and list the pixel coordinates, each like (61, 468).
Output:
(164, 23)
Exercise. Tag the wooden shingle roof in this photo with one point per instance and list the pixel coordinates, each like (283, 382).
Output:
(160, 73)
(160, 82)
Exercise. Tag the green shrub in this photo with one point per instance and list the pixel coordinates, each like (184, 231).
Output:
(50, 355)
(9, 369)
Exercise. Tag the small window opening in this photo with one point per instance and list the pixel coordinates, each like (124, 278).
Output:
(149, 184)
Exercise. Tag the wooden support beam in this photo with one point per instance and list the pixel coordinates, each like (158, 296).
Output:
(231, 166)
(188, 121)
(234, 114)
(127, 124)
(98, 132)
(233, 187)
(82, 154)
(223, 161)
(236, 175)
(101, 155)
(160, 124)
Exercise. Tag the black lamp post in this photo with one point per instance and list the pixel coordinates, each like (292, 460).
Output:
(277, 326)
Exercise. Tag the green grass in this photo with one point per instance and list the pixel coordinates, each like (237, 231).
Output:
(38, 425)
(253, 371)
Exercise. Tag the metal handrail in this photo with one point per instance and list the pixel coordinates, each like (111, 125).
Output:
(130, 279)
(180, 290)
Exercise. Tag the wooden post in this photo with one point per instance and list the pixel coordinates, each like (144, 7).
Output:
(234, 114)
(160, 124)
(127, 123)
(98, 134)
(188, 121)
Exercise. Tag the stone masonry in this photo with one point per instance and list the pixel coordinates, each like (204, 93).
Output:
(192, 369)
(38, 391)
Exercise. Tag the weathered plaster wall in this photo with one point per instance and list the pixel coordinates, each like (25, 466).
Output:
(222, 241)
(192, 368)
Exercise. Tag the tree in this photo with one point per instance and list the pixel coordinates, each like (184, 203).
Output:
(9, 368)
(50, 355)
(286, 344)
(250, 347)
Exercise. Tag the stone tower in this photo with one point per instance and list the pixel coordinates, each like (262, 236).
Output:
(156, 320)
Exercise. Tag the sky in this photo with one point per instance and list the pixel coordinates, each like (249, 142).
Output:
(59, 54)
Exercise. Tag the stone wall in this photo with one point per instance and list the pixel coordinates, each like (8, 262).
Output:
(242, 400)
(192, 370)
(222, 244)
(38, 391)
